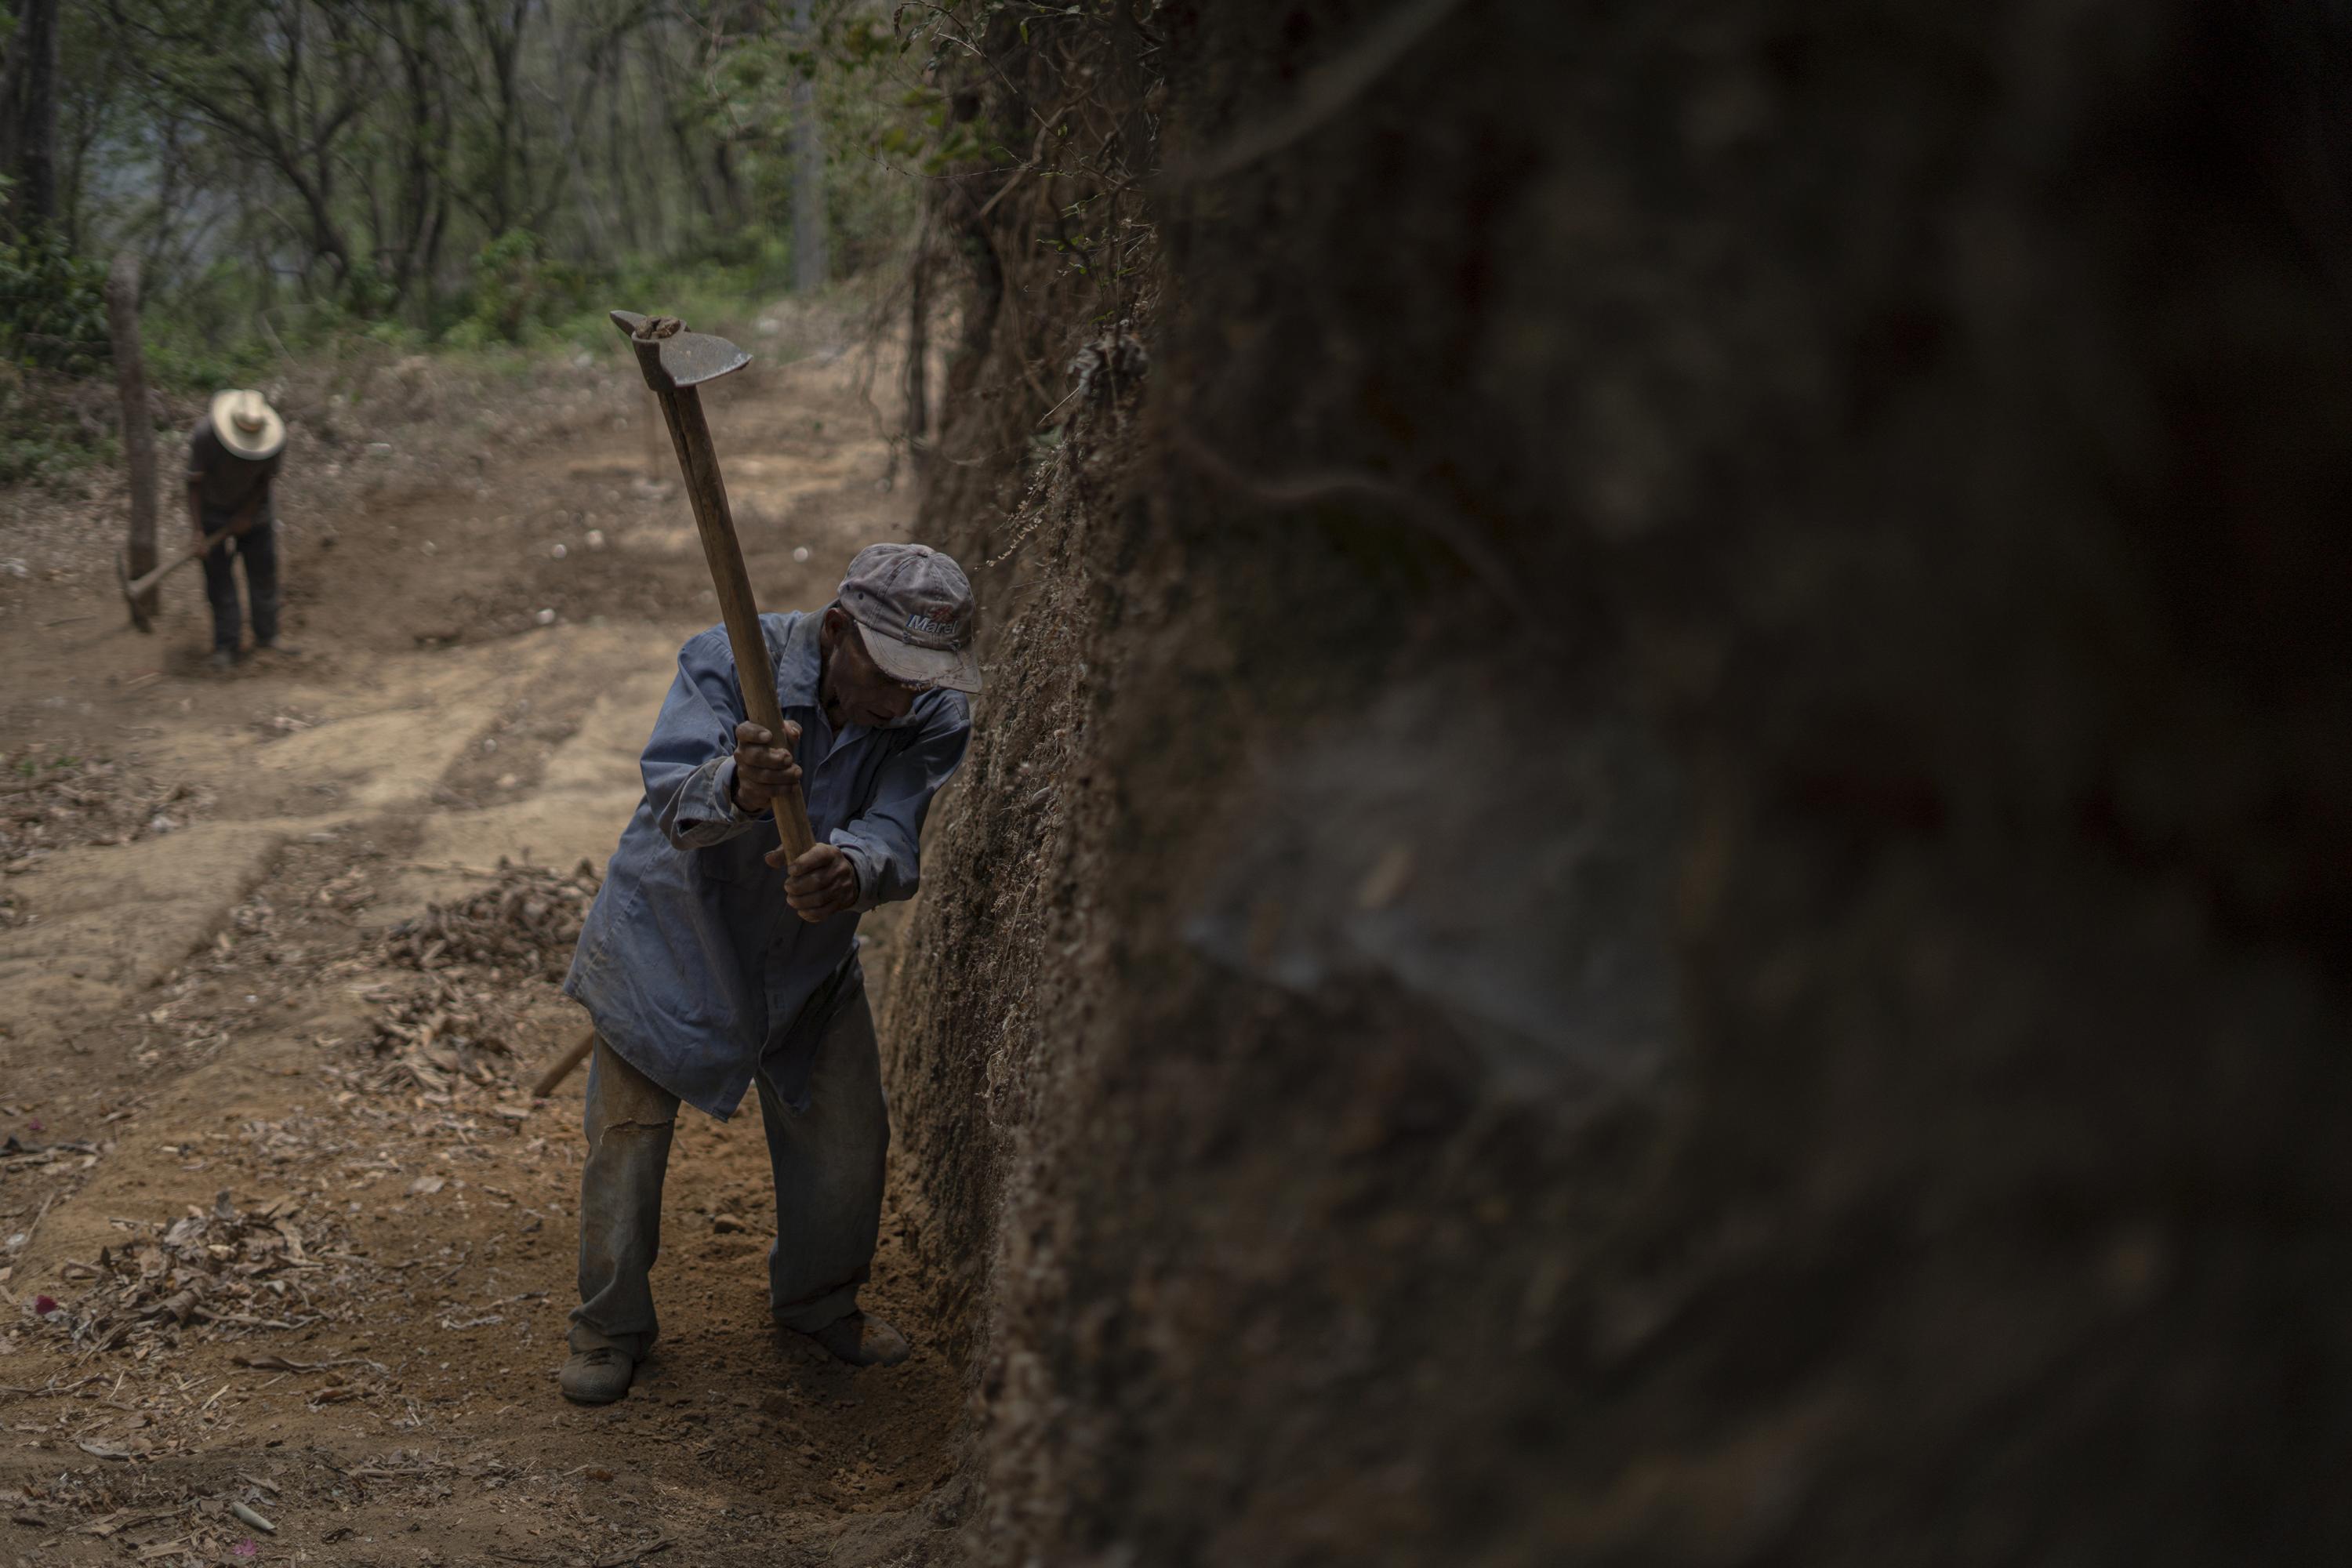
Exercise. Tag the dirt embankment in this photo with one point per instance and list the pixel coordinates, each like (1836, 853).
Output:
(1654, 872)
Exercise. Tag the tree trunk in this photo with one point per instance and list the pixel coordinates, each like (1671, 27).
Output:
(29, 114)
(810, 264)
(918, 350)
(138, 417)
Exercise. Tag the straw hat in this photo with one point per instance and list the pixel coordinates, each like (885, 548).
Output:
(247, 425)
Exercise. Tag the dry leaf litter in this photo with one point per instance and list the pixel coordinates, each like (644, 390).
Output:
(523, 925)
(458, 1025)
(216, 1272)
(52, 803)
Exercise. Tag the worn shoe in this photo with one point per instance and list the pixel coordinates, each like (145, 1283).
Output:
(862, 1340)
(223, 659)
(277, 649)
(598, 1376)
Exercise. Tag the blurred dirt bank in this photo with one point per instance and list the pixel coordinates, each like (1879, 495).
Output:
(1658, 873)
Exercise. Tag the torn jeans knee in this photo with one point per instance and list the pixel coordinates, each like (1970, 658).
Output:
(637, 1124)
(624, 1129)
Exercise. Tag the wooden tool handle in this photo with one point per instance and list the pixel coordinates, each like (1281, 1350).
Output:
(754, 670)
(157, 575)
(561, 1067)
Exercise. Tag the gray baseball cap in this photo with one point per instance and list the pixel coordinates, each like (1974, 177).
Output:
(916, 607)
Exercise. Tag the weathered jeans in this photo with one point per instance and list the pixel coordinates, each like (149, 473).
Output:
(827, 1159)
(257, 547)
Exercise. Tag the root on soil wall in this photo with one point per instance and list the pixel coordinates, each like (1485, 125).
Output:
(1655, 869)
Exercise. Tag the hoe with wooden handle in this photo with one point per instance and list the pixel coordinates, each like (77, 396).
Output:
(134, 593)
(677, 361)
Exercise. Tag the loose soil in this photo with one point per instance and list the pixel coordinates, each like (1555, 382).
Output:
(219, 1061)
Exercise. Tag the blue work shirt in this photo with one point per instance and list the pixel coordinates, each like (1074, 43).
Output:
(691, 963)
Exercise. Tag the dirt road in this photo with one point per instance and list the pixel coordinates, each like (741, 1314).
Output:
(212, 1058)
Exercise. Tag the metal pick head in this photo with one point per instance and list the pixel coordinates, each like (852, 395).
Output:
(674, 358)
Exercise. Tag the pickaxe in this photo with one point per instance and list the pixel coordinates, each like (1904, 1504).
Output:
(677, 361)
(135, 594)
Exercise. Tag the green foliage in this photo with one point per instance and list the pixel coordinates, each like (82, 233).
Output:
(178, 360)
(43, 437)
(884, 133)
(53, 328)
(52, 305)
(38, 454)
(315, 174)
(367, 294)
(517, 285)
(205, 336)
(926, 137)
(718, 296)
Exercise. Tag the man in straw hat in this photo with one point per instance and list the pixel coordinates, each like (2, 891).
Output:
(232, 458)
(710, 967)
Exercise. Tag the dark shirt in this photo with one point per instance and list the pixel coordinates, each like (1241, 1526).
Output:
(227, 481)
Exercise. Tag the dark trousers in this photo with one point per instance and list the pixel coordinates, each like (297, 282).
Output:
(827, 1157)
(257, 547)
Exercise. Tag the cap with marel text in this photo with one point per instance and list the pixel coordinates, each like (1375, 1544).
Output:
(916, 607)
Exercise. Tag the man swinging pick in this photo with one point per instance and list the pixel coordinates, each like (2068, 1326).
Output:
(709, 966)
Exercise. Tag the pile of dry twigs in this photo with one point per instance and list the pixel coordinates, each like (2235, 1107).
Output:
(51, 803)
(444, 1032)
(217, 1269)
(524, 923)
